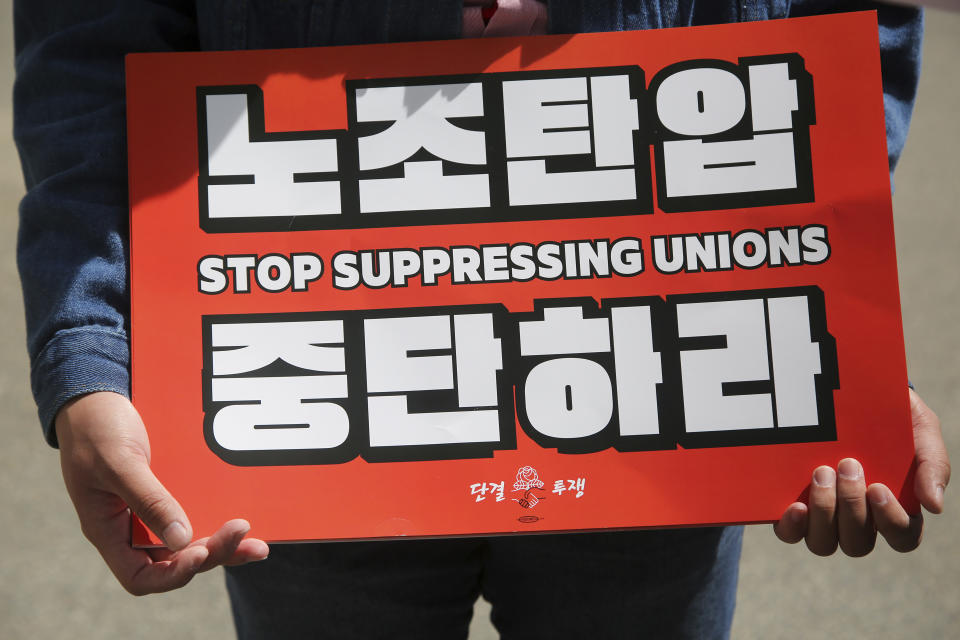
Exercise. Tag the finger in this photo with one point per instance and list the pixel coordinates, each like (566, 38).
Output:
(249, 550)
(854, 526)
(933, 465)
(792, 526)
(135, 569)
(153, 504)
(822, 520)
(902, 531)
(158, 577)
(223, 544)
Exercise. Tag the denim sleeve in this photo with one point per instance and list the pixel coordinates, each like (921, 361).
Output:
(69, 127)
(901, 37)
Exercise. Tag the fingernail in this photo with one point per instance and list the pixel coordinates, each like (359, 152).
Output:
(796, 515)
(264, 550)
(941, 489)
(877, 498)
(175, 536)
(260, 559)
(824, 477)
(849, 469)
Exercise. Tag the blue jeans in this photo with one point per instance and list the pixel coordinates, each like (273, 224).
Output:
(630, 584)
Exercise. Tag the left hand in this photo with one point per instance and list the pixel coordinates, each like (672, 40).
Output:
(105, 458)
(844, 511)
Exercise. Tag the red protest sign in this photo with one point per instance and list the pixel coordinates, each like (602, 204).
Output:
(521, 284)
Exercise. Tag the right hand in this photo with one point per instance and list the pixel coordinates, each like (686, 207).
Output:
(105, 458)
(844, 511)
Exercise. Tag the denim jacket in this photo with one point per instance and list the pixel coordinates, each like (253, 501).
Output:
(69, 128)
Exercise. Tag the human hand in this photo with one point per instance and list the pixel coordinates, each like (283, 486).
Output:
(844, 511)
(105, 459)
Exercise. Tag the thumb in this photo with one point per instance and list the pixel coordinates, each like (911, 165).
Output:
(933, 465)
(153, 504)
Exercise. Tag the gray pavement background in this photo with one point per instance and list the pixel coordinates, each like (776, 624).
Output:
(53, 584)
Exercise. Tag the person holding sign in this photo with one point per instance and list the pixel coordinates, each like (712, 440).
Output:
(69, 128)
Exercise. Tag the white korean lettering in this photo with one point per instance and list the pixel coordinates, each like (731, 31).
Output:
(420, 120)
(240, 347)
(551, 117)
(796, 361)
(742, 323)
(567, 397)
(638, 371)
(280, 419)
(393, 370)
(695, 105)
(268, 166)
(278, 412)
